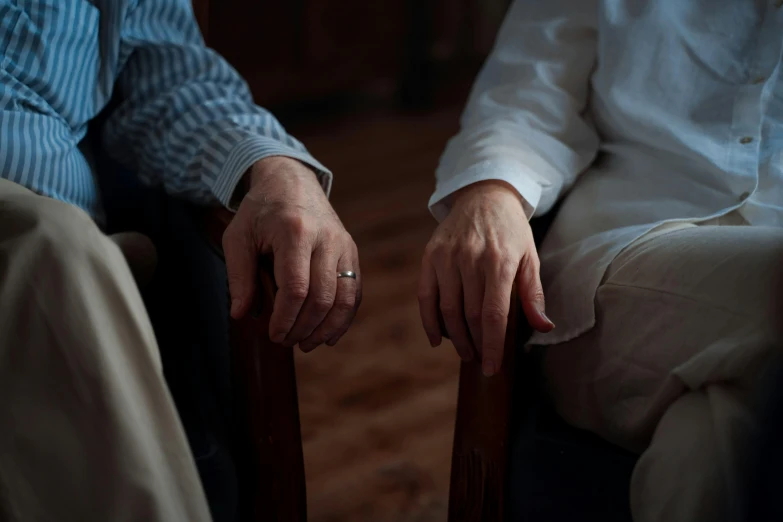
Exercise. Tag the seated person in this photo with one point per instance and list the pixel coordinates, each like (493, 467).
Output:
(660, 126)
(88, 430)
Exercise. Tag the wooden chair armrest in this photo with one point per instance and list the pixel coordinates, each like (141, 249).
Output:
(266, 402)
(482, 433)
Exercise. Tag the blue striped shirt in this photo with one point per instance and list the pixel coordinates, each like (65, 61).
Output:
(186, 120)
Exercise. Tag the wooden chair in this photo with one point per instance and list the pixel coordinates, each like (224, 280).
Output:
(483, 428)
(479, 485)
(498, 415)
(265, 430)
(267, 402)
(482, 435)
(265, 379)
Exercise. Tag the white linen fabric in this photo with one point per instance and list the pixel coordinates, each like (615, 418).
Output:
(650, 112)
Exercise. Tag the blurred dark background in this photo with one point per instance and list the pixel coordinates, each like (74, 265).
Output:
(374, 89)
(299, 52)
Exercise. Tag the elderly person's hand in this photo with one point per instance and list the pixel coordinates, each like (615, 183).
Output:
(470, 265)
(286, 213)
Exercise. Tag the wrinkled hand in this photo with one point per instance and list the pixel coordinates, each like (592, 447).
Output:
(286, 213)
(470, 265)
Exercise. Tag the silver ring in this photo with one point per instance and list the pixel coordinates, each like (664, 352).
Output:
(347, 273)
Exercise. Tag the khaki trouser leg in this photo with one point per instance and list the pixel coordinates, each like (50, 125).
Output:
(686, 323)
(88, 429)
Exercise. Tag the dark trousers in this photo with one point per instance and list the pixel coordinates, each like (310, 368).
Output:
(187, 302)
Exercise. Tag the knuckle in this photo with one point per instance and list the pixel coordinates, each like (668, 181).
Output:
(537, 295)
(432, 254)
(296, 224)
(345, 302)
(429, 249)
(333, 236)
(296, 289)
(235, 280)
(494, 313)
(493, 257)
(473, 314)
(531, 264)
(507, 268)
(504, 270)
(325, 239)
(440, 251)
(323, 302)
(450, 310)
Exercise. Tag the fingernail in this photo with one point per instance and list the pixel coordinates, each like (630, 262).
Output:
(331, 342)
(236, 304)
(489, 368)
(543, 315)
(277, 338)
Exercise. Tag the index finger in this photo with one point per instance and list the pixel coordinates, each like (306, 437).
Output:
(241, 269)
(292, 276)
(428, 302)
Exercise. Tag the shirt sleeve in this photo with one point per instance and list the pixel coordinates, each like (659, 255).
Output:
(187, 120)
(524, 123)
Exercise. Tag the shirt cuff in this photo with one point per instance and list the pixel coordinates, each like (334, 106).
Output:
(247, 151)
(509, 172)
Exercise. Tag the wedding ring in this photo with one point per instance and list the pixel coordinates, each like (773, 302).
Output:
(347, 273)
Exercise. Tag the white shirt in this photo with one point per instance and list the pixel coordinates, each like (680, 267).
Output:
(654, 111)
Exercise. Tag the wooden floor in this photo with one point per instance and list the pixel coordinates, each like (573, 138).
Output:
(378, 409)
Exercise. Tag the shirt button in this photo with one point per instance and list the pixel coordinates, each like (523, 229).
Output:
(759, 79)
(744, 196)
(745, 140)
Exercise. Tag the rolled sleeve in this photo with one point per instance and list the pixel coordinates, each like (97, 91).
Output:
(509, 172)
(526, 122)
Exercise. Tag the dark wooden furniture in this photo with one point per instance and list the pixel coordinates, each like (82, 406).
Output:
(240, 410)
(267, 403)
(482, 435)
(265, 381)
(479, 486)
(514, 459)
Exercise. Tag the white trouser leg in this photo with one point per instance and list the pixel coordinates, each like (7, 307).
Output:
(686, 323)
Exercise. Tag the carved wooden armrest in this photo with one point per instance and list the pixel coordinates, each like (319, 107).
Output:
(266, 403)
(482, 433)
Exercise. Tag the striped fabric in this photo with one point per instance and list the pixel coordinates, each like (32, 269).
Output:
(186, 119)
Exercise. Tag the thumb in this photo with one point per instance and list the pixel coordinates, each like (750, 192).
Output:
(241, 268)
(531, 294)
